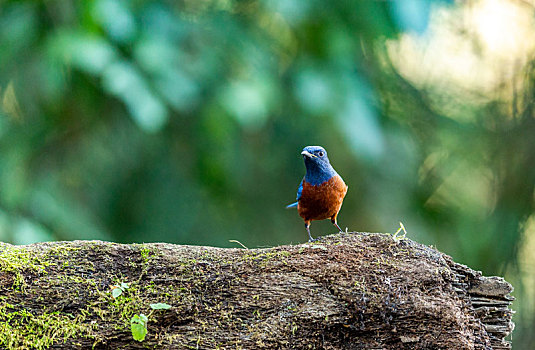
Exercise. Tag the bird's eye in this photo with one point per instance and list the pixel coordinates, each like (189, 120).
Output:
(320, 153)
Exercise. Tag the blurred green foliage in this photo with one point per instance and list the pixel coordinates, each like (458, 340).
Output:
(141, 121)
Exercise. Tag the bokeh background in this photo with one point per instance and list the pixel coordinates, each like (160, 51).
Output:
(182, 121)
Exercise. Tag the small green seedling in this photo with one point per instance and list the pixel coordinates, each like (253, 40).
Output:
(118, 289)
(401, 228)
(138, 323)
(138, 326)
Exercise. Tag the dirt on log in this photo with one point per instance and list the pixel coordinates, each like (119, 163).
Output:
(346, 291)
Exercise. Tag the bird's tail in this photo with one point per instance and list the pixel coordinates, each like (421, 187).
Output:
(293, 205)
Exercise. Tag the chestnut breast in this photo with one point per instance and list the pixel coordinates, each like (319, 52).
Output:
(322, 201)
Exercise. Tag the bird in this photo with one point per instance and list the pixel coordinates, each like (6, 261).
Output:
(322, 190)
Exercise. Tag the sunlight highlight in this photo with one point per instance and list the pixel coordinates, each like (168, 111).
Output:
(477, 45)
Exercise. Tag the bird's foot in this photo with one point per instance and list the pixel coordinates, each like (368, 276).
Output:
(338, 227)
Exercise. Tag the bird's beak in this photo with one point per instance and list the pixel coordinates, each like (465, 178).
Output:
(308, 154)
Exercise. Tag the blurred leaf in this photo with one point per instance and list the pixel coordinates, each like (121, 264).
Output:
(156, 55)
(124, 81)
(14, 185)
(314, 91)
(293, 11)
(18, 21)
(180, 91)
(358, 120)
(116, 18)
(87, 52)
(248, 101)
(10, 106)
(161, 23)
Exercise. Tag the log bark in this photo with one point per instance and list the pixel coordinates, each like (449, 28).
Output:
(347, 291)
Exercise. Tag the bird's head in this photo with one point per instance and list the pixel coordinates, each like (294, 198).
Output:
(314, 154)
(316, 161)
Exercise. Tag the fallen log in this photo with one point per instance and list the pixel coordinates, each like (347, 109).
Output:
(346, 291)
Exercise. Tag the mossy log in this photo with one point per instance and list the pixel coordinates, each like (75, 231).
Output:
(346, 291)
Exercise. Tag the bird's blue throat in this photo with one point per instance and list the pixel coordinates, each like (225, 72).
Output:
(318, 172)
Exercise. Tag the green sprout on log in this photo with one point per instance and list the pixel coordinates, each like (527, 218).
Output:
(138, 323)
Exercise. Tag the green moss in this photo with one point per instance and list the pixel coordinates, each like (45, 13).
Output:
(148, 254)
(21, 329)
(145, 253)
(118, 311)
(264, 257)
(62, 250)
(14, 260)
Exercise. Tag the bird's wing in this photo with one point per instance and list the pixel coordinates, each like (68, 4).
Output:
(299, 190)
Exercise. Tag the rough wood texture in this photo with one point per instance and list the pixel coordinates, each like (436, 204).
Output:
(348, 291)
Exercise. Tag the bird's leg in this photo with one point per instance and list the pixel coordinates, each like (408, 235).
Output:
(307, 226)
(335, 224)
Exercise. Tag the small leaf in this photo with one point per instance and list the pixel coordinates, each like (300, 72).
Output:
(139, 331)
(116, 292)
(160, 306)
(138, 326)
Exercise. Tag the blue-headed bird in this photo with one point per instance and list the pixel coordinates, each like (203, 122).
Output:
(322, 190)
